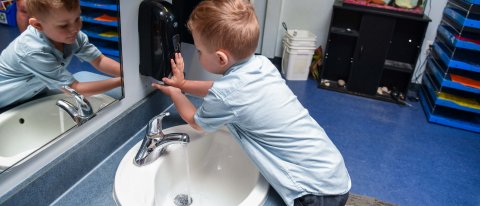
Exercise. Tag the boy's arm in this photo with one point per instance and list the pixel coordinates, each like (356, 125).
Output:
(184, 107)
(107, 65)
(96, 87)
(197, 88)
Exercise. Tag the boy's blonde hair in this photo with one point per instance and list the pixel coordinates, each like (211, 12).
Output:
(40, 8)
(226, 24)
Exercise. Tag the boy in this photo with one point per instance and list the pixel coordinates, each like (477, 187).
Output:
(288, 146)
(38, 58)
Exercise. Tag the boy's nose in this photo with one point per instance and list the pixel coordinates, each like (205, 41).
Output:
(76, 27)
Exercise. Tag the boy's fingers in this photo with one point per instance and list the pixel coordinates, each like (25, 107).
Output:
(168, 81)
(176, 71)
(157, 86)
(162, 88)
(178, 58)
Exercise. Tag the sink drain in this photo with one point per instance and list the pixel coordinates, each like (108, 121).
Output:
(182, 200)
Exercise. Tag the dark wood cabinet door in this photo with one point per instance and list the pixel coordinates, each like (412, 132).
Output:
(372, 48)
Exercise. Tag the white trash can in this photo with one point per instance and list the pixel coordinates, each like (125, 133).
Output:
(300, 38)
(298, 49)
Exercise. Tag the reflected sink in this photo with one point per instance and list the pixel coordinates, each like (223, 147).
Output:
(218, 173)
(29, 126)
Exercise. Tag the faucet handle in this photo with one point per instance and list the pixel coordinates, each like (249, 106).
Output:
(83, 105)
(155, 125)
(71, 90)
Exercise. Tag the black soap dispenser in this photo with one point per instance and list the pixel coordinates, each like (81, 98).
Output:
(159, 38)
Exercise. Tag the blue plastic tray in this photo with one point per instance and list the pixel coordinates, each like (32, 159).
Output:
(448, 117)
(451, 39)
(473, 1)
(100, 4)
(460, 19)
(91, 19)
(455, 63)
(95, 31)
(447, 82)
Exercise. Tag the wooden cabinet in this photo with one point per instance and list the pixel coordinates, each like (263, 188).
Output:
(368, 49)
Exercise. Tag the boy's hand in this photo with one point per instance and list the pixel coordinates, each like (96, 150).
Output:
(178, 78)
(168, 90)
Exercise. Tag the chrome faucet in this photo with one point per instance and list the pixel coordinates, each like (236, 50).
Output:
(155, 142)
(80, 113)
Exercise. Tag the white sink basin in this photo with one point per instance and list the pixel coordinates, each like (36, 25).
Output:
(29, 126)
(220, 174)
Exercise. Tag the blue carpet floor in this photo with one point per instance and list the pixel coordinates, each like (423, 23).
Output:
(393, 153)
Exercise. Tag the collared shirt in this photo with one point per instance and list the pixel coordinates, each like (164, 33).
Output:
(288, 146)
(31, 63)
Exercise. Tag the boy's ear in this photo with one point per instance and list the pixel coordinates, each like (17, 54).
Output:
(35, 23)
(222, 58)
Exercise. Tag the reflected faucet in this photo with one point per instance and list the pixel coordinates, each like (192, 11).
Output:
(155, 142)
(80, 113)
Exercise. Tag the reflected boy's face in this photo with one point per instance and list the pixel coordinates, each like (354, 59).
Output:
(61, 26)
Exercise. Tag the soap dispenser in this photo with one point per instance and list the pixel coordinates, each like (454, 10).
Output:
(159, 38)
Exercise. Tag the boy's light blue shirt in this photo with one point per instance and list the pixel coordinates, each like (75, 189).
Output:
(31, 63)
(288, 146)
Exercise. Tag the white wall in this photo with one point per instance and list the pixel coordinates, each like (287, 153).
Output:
(311, 15)
(435, 12)
(315, 15)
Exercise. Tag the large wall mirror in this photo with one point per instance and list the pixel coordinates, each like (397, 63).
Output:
(33, 122)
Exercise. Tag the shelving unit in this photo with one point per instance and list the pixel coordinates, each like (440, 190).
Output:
(450, 91)
(369, 48)
(100, 23)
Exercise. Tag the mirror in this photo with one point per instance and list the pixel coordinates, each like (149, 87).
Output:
(34, 120)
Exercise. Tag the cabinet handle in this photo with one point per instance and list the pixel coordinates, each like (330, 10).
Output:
(361, 52)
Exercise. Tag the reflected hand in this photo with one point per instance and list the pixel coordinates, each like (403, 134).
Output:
(178, 78)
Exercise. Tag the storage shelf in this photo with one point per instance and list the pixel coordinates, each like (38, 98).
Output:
(98, 35)
(398, 66)
(455, 63)
(381, 11)
(109, 51)
(447, 81)
(344, 31)
(460, 19)
(91, 19)
(102, 34)
(472, 6)
(458, 27)
(450, 86)
(477, 2)
(449, 118)
(447, 102)
(372, 49)
(454, 40)
(333, 85)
